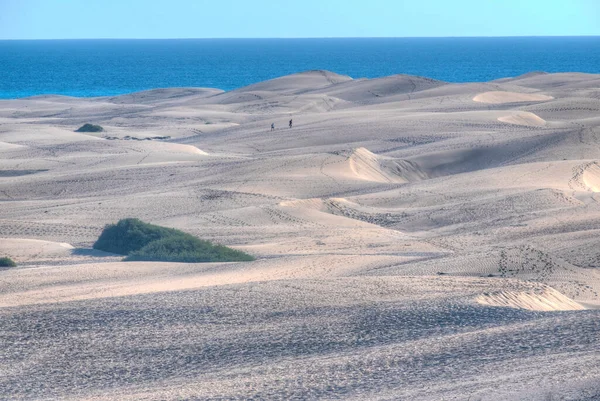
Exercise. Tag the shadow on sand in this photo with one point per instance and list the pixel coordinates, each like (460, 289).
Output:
(95, 253)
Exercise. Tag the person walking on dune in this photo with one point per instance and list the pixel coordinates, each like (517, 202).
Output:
(272, 126)
(290, 123)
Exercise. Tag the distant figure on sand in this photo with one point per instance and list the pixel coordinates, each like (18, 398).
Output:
(272, 126)
(290, 123)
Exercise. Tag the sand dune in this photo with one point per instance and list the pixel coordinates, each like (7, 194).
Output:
(297, 83)
(156, 96)
(316, 204)
(9, 146)
(531, 74)
(32, 252)
(547, 300)
(26, 248)
(171, 148)
(523, 118)
(498, 97)
(380, 89)
(415, 239)
(370, 167)
(591, 177)
(561, 81)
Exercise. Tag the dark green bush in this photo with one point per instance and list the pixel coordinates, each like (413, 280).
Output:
(186, 248)
(90, 128)
(130, 235)
(143, 241)
(7, 262)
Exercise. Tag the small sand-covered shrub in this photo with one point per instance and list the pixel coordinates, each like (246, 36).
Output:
(7, 262)
(90, 128)
(142, 241)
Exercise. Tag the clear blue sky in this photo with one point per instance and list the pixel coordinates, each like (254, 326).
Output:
(66, 19)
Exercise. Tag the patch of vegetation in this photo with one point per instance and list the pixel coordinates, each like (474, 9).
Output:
(142, 241)
(7, 262)
(130, 235)
(186, 248)
(90, 128)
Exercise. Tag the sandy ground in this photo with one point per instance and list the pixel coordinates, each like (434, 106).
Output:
(415, 240)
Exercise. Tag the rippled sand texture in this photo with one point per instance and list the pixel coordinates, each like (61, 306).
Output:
(415, 240)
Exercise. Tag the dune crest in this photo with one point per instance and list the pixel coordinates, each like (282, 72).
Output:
(369, 91)
(176, 147)
(591, 177)
(23, 249)
(296, 83)
(34, 252)
(10, 146)
(315, 203)
(524, 118)
(501, 97)
(371, 167)
(547, 300)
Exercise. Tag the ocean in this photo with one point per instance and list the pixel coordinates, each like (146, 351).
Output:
(111, 67)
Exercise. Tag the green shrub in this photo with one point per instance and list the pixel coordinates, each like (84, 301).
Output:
(186, 248)
(90, 128)
(7, 262)
(143, 241)
(130, 235)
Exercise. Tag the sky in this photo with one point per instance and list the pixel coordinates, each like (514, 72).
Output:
(140, 19)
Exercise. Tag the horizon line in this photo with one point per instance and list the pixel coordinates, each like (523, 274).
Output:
(318, 37)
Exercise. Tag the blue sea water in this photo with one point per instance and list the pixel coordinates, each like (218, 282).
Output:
(110, 67)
